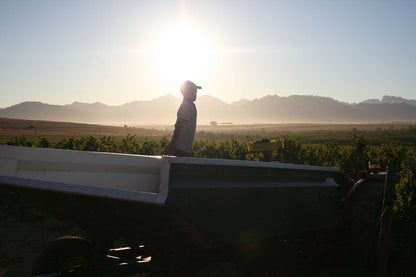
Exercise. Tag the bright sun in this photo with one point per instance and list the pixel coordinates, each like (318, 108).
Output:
(183, 54)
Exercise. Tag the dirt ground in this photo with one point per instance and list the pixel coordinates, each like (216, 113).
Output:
(17, 127)
(23, 234)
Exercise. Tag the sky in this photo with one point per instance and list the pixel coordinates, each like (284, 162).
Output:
(116, 52)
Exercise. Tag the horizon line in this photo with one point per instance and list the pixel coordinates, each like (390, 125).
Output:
(230, 103)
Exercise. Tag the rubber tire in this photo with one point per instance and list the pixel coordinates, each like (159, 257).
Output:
(63, 254)
(366, 211)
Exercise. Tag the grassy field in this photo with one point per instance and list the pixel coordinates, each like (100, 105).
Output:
(312, 133)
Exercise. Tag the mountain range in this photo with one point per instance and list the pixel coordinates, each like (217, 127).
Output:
(268, 109)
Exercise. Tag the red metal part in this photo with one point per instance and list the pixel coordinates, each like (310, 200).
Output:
(363, 182)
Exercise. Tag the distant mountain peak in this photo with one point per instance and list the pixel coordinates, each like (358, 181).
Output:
(240, 102)
(268, 96)
(76, 103)
(82, 104)
(30, 103)
(394, 99)
(165, 97)
(206, 98)
(371, 101)
(387, 99)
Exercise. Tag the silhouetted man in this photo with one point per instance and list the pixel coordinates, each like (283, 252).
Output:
(185, 126)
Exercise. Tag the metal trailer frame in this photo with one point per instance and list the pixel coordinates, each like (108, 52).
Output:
(182, 202)
(17, 165)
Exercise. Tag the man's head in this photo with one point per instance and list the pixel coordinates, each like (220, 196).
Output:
(188, 90)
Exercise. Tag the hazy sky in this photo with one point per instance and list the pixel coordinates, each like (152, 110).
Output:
(120, 51)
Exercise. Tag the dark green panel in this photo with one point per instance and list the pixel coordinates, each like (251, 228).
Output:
(235, 215)
(182, 173)
(235, 204)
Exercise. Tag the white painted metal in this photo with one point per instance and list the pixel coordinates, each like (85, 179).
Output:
(119, 176)
(122, 176)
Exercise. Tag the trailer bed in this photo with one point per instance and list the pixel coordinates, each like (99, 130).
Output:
(223, 201)
(124, 176)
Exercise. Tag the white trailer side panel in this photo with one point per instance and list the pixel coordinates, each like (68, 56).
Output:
(130, 177)
(123, 176)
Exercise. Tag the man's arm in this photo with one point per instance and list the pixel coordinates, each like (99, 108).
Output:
(178, 127)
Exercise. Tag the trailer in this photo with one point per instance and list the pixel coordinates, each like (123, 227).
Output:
(181, 215)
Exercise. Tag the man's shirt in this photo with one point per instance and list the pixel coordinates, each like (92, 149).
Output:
(185, 136)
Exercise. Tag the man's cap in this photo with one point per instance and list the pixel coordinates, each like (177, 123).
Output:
(188, 84)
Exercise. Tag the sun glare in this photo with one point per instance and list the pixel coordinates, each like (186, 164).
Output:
(183, 53)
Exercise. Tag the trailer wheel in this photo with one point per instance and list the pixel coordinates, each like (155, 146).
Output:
(63, 254)
(366, 210)
(221, 270)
